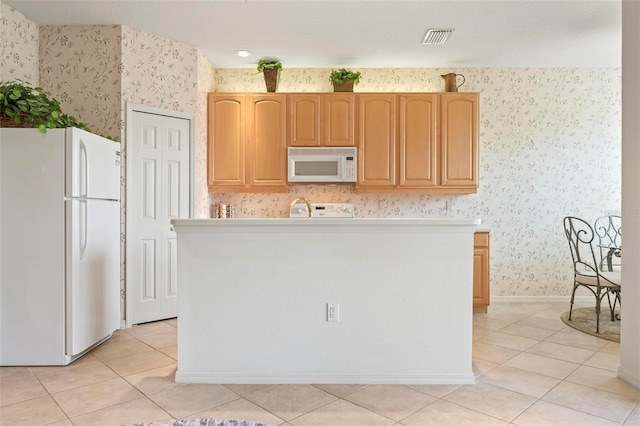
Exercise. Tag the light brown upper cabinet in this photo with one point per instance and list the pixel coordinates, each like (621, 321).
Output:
(226, 140)
(305, 114)
(247, 142)
(321, 119)
(459, 140)
(417, 140)
(339, 119)
(436, 150)
(376, 141)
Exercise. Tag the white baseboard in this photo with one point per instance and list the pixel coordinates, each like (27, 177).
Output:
(629, 378)
(545, 299)
(315, 377)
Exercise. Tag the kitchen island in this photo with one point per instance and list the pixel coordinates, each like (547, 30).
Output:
(325, 300)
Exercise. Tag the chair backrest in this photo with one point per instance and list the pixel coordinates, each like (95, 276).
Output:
(580, 236)
(609, 230)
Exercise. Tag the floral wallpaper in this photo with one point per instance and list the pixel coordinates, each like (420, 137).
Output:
(19, 47)
(158, 72)
(550, 147)
(79, 66)
(206, 76)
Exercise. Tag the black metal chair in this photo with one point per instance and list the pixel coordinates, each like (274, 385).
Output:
(609, 232)
(586, 267)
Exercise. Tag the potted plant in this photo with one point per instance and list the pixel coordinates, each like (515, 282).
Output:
(271, 71)
(343, 80)
(25, 106)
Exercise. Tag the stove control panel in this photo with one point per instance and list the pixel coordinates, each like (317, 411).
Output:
(323, 210)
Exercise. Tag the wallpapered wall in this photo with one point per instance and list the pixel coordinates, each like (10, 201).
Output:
(206, 84)
(550, 138)
(19, 47)
(550, 146)
(79, 66)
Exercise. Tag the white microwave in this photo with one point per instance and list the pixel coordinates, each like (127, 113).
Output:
(322, 165)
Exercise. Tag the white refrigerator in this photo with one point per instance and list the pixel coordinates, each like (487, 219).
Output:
(60, 244)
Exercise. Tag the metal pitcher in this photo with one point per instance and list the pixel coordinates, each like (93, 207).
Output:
(451, 81)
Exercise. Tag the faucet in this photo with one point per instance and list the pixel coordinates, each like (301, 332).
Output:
(305, 201)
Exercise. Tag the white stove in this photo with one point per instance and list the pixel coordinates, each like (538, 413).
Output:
(322, 210)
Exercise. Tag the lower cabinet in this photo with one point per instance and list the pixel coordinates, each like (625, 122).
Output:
(480, 272)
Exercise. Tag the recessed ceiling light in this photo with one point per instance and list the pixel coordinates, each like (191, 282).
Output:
(437, 35)
(243, 53)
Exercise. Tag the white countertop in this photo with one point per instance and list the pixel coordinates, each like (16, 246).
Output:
(331, 221)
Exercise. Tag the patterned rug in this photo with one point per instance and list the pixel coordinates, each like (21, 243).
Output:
(584, 319)
(202, 422)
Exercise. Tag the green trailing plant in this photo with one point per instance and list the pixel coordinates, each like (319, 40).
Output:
(34, 105)
(339, 76)
(266, 64)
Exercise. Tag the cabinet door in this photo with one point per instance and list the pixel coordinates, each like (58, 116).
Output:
(226, 140)
(417, 154)
(459, 139)
(480, 271)
(304, 120)
(376, 140)
(267, 140)
(339, 119)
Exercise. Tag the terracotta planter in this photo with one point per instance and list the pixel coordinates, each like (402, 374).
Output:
(271, 77)
(345, 86)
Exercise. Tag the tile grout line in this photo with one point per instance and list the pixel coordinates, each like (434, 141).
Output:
(451, 402)
(64, 413)
(560, 380)
(503, 363)
(630, 413)
(143, 395)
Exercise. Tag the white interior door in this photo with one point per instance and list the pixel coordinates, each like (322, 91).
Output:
(158, 190)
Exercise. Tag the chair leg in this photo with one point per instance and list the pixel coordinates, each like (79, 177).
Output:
(573, 295)
(616, 300)
(598, 300)
(611, 308)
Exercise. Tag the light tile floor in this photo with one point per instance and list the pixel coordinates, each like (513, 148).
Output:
(531, 370)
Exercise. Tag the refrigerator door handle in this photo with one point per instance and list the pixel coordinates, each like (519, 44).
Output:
(82, 235)
(83, 170)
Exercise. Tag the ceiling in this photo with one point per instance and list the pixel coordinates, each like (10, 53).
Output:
(365, 34)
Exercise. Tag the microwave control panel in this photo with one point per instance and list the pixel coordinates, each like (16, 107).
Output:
(350, 168)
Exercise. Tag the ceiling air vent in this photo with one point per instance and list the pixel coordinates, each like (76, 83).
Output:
(437, 35)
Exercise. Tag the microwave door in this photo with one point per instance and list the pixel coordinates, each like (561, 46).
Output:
(314, 169)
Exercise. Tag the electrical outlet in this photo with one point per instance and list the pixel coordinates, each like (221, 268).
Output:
(333, 312)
